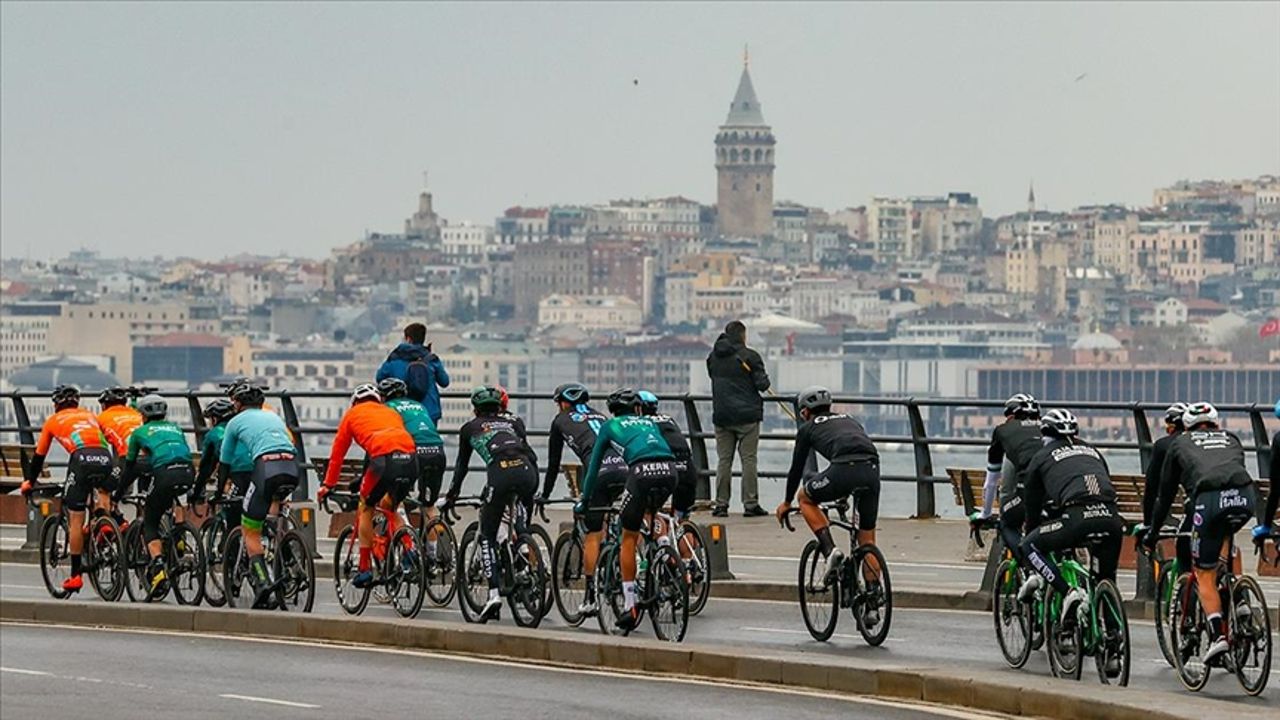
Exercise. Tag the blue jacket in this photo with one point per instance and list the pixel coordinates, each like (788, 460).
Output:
(421, 370)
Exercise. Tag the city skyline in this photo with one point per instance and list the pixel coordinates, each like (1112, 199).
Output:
(246, 139)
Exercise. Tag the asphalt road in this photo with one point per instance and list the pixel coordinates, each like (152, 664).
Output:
(57, 671)
(918, 638)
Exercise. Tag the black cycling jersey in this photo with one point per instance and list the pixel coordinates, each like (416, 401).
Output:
(674, 436)
(1063, 473)
(835, 436)
(1199, 461)
(1151, 486)
(495, 438)
(1018, 440)
(577, 428)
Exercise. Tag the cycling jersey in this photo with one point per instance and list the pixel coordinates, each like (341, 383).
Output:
(635, 437)
(210, 446)
(1199, 461)
(253, 432)
(1151, 483)
(497, 439)
(417, 421)
(374, 427)
(577, 428)
(118, 423)
(1066, 473)
(675, 438)
(164, 444)
(835, 436)
(73, 428)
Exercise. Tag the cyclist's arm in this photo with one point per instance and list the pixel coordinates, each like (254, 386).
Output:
(42, 450)
(1273, 497)
(208, 462)
(995, 460)
(603, 439)
(1170, 478)
(799, 458)
(1151, 488)
(555, 449)
(460, 465)
(131, 462)
(1034, 497)
(341, 444)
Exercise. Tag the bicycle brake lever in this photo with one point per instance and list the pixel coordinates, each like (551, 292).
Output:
(786, 522)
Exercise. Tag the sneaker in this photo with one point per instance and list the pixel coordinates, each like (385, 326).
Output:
(1032, 585)
(756, 511)
(156, 578)
(1216, 648)
(832, 568)
(492, 610)
(1112, 666)
(720, 512)
(1071, 603)
(628, 620)
(362, 579)
(73, 583)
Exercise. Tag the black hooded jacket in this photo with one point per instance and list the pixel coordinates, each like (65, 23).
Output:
(737, 379)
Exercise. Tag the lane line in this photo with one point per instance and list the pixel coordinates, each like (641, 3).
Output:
(268, 701)
(21, 587)
(786, 631)
(20, 671)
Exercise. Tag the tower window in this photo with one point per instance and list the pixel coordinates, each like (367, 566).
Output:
(757, 187)
(735, 187)
(759, 155)
(733, 155)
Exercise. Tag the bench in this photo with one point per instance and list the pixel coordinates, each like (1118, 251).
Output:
(348, 477)
(13, 459)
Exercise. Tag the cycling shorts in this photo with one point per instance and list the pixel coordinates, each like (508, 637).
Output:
(609, 487)
(431, 467)
(275, 475)
(168, 483)
(1218, 514)
(686, 487)
(392, 475)
(840, 480)
(649, 485)
(88, 469)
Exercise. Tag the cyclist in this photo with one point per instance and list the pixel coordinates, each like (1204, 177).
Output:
(854, 466)
(261, 435)
(576, 425)
(118, 421)
(390, 472)
(511, 467)
(687, 476)
(219, 413)
(1151, 486)
(1070, 479)
(164, 446)
(651, 481)
(1013, 443)
(431, 458)
(1268, 515)
(1209, 464)
(89, 468)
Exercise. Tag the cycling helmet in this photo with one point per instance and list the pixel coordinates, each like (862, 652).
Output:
(648, 402)
(113, 396)
(1173, 414)
(486, 396)
(363, 392)
(153, 407)
(236, 382)
(1198, 414)
(65, 396)
(1021, 404)
(247, 394)
(1059, 423)
(393, 388)
(572, 393)
(1278, 408)
(503, 398)
(219, 410)
(623, 400)
(814, 397)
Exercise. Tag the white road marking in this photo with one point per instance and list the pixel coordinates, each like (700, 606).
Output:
(76, 678)
(269, 701)
(21, 671)
(21, 587)
(786, 631)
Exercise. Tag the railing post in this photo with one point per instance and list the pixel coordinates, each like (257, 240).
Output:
(304, 512)
(1142, 431)
(197, 418)
(698, 445)
(926, 507)
(27, 438)
(1264, 444)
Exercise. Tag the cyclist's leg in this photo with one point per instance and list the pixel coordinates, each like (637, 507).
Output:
(75, 496)
(866, 480)
(499, 488)
(631, 518)
(1103, 517)
(682, 500)
(1218, 514)
(830, 485)
(1051, 536)
(373, 487)
(1182, 545)
(1013, 516)
(431, 469)
(240, 482)
(401, 475)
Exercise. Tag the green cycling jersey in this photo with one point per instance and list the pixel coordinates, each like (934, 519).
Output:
(635, 437)
(417, 421)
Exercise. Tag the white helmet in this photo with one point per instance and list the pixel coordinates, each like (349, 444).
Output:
(1059, 423)
(1198, 413)
(365, 391)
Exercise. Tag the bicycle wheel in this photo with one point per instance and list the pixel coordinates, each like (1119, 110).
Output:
(1190, 634)
(1110, 627)
(55, 555)
(1012, 618)
(184, 561)
(213, 536)
(473, 586)
(697, 565)
(669, 595)
(873, 602)
(568, 584)
(543, 540)
(1251, 635)
(528, 596)
(819, 600)
(235, 569)
(1164, 593)
(609, 590)
(346, 562)
(295, 572)
(405, 573)
(441, 562)
(1063, 640)
(135, 563)
(107, 573)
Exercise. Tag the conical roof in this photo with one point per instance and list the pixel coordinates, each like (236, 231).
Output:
(745, 109)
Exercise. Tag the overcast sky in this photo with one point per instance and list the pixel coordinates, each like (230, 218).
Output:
(213, 129)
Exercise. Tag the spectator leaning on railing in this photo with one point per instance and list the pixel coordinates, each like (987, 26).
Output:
(421, 370)
(737, 379)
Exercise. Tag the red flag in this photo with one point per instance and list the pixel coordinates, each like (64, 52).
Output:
(1269, 328)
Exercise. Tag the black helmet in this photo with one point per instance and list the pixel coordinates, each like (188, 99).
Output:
(1022, 405)
(236, 383)
(814, 397)
(153, 407)
(1173, 414)
(65, 396)
(392, 388)
(623, 401)
(113, 396)
(486, 396)
(572, 393)
(1059, 423)
(247, 394)
(219, 410)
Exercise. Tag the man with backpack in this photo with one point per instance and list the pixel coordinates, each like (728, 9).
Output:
(421, 370)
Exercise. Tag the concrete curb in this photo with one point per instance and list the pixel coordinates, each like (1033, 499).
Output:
(1020, 694)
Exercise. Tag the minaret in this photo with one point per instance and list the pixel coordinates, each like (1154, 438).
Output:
(424, 223)
(744, 164)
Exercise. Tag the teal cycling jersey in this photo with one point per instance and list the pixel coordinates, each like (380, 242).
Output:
(417, 422)
(635, 437)
(252, 433)
(163, 442)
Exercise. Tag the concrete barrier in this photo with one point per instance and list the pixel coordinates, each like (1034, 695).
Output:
(1009, 693)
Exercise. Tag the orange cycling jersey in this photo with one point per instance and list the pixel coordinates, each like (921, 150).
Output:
(73, 428)
(118, 423)
(373, 426)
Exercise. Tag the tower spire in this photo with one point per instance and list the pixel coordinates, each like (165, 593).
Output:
(746, 56)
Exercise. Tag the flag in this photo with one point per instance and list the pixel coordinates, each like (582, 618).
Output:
(1269, 328)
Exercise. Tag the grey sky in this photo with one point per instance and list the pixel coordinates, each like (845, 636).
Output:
(213, 129)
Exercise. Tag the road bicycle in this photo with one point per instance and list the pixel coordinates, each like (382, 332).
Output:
(1099, 627)
(213, 537)
(861, 584)
(1166, 571)
(101, 550)
(440, 559)
(522, 570)
(662, 590)
(289, 561)
(398, 561)
(181, 549)
(1019, 626)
